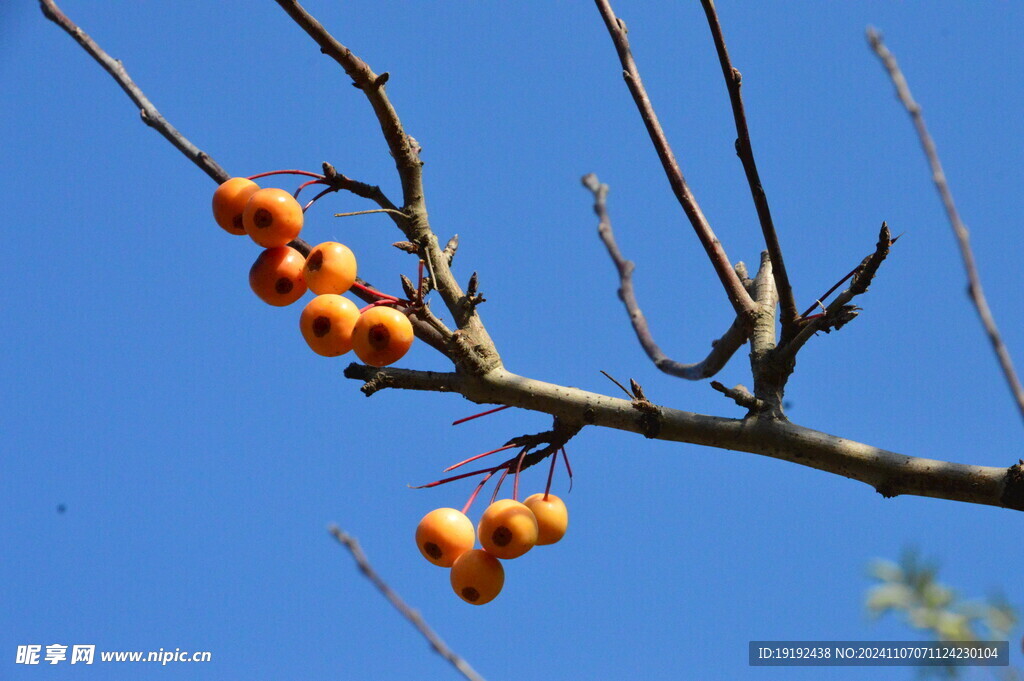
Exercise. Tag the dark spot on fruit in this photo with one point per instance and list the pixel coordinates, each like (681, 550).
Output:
(321, 327)
(379, 336)
(237, 222)
(471, 594)
(315, 261)
(501, 536)
(433, 550)
(262, 218)
(284, 285)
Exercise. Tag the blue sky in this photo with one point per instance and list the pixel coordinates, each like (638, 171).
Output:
(201, 449)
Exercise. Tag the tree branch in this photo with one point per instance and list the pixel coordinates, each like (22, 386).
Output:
(890, 473)
(376, 378)
(741, 396)
(722, 349)
(438, 645)
(745, 151)
(403, 148)
(149, 113)
(974, 289)
(479, 353)
(741, 301)
(770, 372)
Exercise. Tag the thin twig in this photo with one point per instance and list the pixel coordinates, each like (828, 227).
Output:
(438, 645)
(403, 148)
(365, 190)
(367, 212)
(745, 151)
(376, 379)
(839, 312)
(740, 395)
(149, 113)
(613, 380)
(846, 277)
(722, 349)
(741, 301)
(450, 248)
(974, 289)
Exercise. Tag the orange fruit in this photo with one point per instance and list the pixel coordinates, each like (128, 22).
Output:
(552, 517)
(272, 217)
(330, 268)
(229, 201)
(276, 276)
(477, 577)
(443, 535)
(326, 324)
(382, 336)
(507, 529)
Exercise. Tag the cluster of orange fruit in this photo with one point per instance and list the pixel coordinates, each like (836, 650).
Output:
(507, 530)
(331, 324)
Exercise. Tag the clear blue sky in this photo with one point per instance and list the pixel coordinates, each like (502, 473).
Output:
(201, 449)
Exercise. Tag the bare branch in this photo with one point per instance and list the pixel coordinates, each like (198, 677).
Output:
(403, 148)
(745, 151)
(741, 301)
(722, 349)
(149, 113)
(484, 380)
(891, 474)
(974, 289)
(438, 645)
(477, 351)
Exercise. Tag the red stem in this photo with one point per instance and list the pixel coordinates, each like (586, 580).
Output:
(478, 456)
(551, 474)
(379, 303)
(318, 197)
(456, 477)
(472, 497)
(497, 487)
(304, 185)
(568, 468)
(287, 172)
(515, 481)
(372, 291)
(483, 413)
(419, 280)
